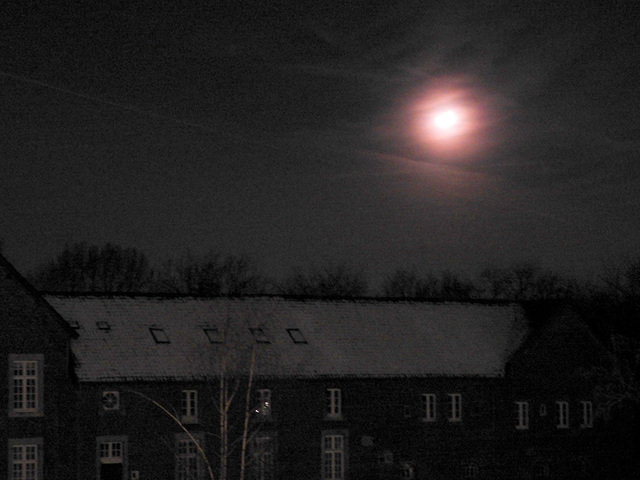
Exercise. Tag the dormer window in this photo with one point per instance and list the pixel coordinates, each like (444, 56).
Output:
(213, 334)
(260, 335)
(296, 335)
(159, 335)
(103, 325)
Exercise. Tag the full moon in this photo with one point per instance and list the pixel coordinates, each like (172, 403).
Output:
(451, 119)
(445, 120)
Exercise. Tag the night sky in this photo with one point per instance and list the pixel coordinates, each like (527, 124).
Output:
(299, 132)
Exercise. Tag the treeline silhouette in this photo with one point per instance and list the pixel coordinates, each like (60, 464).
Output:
(82, 267)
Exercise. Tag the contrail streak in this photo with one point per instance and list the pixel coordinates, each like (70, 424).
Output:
(124, 106)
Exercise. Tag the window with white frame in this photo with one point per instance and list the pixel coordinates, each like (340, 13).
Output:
(263, 457)
(110, 452)
(188, 458)
(25, 459)
(111, 457)
(333, 452)
(264, 402)
(189, 406)
(334, 403)
(25, 385)
(429, 407)
(455, 410)
(587, 414)
(522, 415)
(563, 414)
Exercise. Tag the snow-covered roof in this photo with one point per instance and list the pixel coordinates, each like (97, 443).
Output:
(162, 337)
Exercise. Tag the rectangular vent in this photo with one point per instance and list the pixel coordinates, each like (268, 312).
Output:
(103, 325)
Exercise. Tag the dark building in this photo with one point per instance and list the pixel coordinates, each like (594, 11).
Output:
(339, 389)
(38, 398)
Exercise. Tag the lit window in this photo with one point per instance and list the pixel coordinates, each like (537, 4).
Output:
(213, 334)
(25, 459)
(264, 403)
(262, 456)
(522, 418)
(471, 470)
(587, 414)
(334, 403)
(429, 407)
(189, 406)
(188, 458)
(563, 414)
(296, 335)
(26, 393)
(159, 335)
(455, 411)
(260, 335)
(333, 457)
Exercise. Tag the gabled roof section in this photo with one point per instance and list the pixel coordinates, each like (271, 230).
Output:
(11, 273)
(374, 338)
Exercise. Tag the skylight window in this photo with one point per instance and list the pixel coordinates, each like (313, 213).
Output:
(75, 325)
(103, 325)
(213, 334)
(296, 335)
(260, 335)
(159, 335)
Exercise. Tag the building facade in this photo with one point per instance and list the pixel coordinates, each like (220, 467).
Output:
(39, 395)
(148, 387)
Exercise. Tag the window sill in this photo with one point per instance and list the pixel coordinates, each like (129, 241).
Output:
(25, 414)
(333, 416)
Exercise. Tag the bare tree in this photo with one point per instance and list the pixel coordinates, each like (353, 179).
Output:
(210, 274)
(88, 268)
(524, 281)
(404, 283)
(329, 281)
(233, 365)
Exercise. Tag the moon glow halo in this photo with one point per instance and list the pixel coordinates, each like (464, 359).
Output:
(450, 122)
